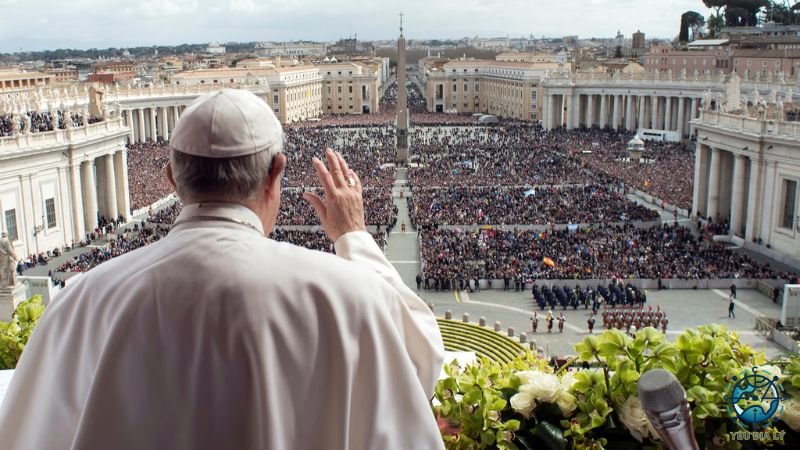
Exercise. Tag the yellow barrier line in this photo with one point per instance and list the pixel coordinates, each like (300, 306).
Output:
(455, 292)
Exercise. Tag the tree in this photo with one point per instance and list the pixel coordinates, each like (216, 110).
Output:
(717, 5)
(744, 12)
(691, 21)
(683, 35)
(715, 23)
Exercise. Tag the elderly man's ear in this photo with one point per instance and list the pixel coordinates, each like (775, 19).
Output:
(273, 184)
(170, 177)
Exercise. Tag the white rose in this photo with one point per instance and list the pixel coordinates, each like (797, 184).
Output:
(543, 387)
(526, 376)
(791, 413)
(633, 417)
(567, 403)
(523, 403)
(775, 371)
(567, 380)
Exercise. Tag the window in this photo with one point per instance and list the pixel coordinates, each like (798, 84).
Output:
(466, 87)
(50, 209)
(477, 87)
(789, 197)
(275, 99)
(11, 225)
(350, 89)
(338, 89)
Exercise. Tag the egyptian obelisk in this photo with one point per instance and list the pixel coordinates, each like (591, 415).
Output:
(402, 99)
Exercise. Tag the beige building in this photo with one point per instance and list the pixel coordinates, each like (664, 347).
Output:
(300, 91)
(16, 80)
(528, 57)
(764, 64)
(64, 74)
(501, 88)
(691, 61)
(350, 88)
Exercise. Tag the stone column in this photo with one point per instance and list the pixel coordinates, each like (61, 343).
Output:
(629, 113)
(771, 189)
(641, 123)
(175, 116)
(546, 113)
(755, 192)
(700, 191)
(76, 186)
(713, 184)
(122, 188)
(129, 123)
(681, 117)
(738, 192)
(654, 112)
(569, 111)
(603, 110)
(142, 135)
(164, 123)
(153, 128)
(615, 116)
(668, 113)
(89, 195)
(692, 115)
(110, 187)
(589, 110)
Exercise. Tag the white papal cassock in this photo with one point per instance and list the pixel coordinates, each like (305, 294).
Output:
(217, 338)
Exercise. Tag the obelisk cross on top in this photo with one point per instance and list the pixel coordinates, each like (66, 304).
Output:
(402, 99)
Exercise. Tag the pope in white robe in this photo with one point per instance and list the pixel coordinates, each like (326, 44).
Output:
(217, 338)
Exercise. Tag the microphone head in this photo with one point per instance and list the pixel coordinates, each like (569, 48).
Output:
(660, 391)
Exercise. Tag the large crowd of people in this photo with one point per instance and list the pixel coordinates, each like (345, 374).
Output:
(378, 208)
(501, 205)
(368, 151)
(516, 155)
(315, 240)
(667, 172)
(623, 251)
(147, 179)
(38, 122)
(127, 241)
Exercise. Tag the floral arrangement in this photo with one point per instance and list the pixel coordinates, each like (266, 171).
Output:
(591, 402)
(14, 335)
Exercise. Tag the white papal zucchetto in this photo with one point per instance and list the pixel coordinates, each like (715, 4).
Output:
(226, 124)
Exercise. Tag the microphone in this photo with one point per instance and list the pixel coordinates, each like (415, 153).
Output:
(664, 401)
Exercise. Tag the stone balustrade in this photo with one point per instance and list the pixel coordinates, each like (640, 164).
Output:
(41, 140)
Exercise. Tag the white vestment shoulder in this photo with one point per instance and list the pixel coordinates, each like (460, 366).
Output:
(217, 338)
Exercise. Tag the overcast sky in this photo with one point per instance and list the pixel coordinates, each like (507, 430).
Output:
(52, 24)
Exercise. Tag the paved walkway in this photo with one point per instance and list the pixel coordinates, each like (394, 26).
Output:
(403, 248)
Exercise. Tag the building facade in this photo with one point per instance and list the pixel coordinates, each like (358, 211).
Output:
(300, 92)
(502, 88)
(747, 170)
(17, 80)
(55, 185)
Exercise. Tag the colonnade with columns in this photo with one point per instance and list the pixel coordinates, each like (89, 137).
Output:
(152, 123)
(101, 190)
(725, 187)
(628, 111)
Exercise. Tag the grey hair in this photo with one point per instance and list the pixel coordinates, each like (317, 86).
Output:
(236, 178)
